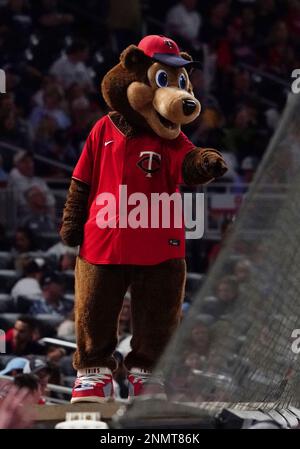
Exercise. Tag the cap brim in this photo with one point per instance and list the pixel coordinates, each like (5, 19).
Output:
(175, 61)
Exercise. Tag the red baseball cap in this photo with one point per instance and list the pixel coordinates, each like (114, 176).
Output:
(163, 49)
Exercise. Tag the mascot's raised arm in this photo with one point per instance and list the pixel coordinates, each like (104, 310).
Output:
(139, 145)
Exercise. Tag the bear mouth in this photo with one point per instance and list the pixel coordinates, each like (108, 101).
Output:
(165, 122)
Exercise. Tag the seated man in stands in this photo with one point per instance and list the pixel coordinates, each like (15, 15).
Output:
(14, 366)
(52, 300)
(21, 340)
(37, 217)
(29, 286)
(22, 177)
(41, 369)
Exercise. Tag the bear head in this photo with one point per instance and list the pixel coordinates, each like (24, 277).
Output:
(150, 87)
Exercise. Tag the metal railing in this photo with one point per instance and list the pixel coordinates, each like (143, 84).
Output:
(58, 342)
(46, 160)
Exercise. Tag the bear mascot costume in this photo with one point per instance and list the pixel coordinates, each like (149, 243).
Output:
(138, 146)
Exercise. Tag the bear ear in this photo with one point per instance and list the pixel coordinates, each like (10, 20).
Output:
(132, 58)
(186, 56)
(188, 68)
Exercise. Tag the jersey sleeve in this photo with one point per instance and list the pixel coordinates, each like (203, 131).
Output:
(179, 148)
(83, 170)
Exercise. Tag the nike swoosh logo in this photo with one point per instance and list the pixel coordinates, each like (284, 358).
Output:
(108, 142)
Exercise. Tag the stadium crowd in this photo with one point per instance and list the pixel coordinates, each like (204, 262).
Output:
(54, 55)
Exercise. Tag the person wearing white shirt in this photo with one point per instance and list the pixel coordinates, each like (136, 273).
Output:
(21, 179)
(29, 286)
(70, 68)
(184, 21)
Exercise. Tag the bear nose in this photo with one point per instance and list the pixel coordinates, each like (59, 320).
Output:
(188, 107)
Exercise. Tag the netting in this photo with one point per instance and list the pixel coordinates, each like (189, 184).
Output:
(235, 345)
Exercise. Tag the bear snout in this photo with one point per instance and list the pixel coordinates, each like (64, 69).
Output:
(176, 105)
(188, 106)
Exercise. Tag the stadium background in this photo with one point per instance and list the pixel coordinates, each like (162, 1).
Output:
(54, 54)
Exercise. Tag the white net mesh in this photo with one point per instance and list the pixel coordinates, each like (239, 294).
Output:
(235, 344)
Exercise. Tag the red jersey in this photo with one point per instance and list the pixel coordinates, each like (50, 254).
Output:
(146, 164)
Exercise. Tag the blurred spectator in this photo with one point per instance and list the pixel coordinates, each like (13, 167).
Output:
(31, 383)
(14, 366)
(40, 369)
(66, 330)
(53, 24)
(59, 249)
(37, 218)
(44, 135)
(29, 286)
(52, 301)
(215, 24)
(248, 167)
(70, 67)
(241, 136)
(183, 23)
(52, 107)
(200, 338)
(227, 290)
(21, 340)
(83, 117)
(13, 129)
(62, 149)
(193, 361)
(22, 177)
(242, 270)
(125, 22)
(216, 248)
(67, 262)
(14, 409)
(17, 20)
(24, 241)
(293, 19)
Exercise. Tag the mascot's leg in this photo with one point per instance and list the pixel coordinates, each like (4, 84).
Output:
(99, 294)
(157, 293)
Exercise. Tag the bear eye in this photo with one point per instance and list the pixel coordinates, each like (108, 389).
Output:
(161, 78)
(182, 81)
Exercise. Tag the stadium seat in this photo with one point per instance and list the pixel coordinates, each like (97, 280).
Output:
(193, 282)
(6, 304)
(66, 366)
(7, 280)
(7, 320)
(5, 260)
(4, 359)
(4, 296)
(50, 320)
(68, 381)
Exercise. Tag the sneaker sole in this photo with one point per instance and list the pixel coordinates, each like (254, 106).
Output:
(92, 399)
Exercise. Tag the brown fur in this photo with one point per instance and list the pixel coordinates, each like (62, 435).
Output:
(201, 166)
(75, 212)
(157, 294)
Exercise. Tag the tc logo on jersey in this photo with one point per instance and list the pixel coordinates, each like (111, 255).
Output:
(150, 162)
